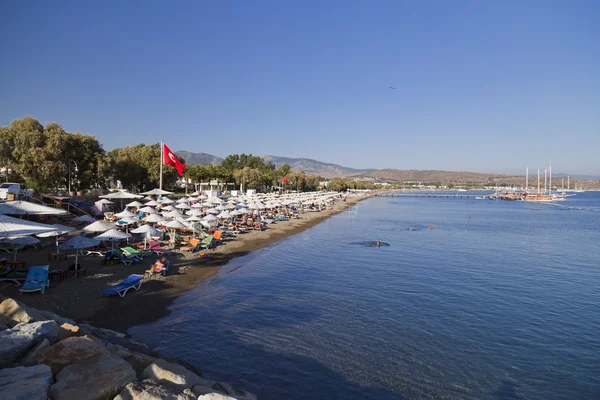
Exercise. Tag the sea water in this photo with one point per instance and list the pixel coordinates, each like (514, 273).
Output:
(500, 300)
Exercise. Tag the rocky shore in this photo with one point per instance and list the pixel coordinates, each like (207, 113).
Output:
(45, 356)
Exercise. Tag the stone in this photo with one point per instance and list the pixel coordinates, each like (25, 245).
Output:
(44, 315)
(131, 344)
(12, 313)
(104, 334)
(231, 391)
(147, 390)
(3, 327)
(35, 354)
(138, 361)
(67, 330)
(184, 364)
(25, 383)
(72, 350)
(215, 396)
(15, 342)
(98, 378)
(171, 374)
(187, 394)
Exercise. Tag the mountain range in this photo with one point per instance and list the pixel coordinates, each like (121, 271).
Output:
(329, 170)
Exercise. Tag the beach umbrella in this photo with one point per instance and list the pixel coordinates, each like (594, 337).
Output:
(174, 214)
(225, 215)
(84, 218)
(79, 242)
(209, 224)
(157, 192)
(194, 218)
(203, 197)
(152, 203)
(182, 200)
(134, 204)
(21, 207)
(60, 230)
(230, 206)
(19, 240)
(168, 208)
(154, 218)
(98, 226)
(147, 198)
(113, 235)
(10, 226)
(197, 205)
(125, 214)
(212, 211)
(195, 211)
(220, 208)
(182, 206)
(244, 210)
(120, 195)
(210, 217)
(215, 200)
(148, 231)
(165, 200)
(148, 210)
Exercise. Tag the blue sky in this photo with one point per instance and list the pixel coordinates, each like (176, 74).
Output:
(491, 86)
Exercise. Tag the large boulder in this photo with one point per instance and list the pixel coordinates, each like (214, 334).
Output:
(150, 390)
(104, 334)
(222, 389)
(98, 378)
(44, 315)
(132, 345)
(67, 330)
(25, 383)
(138, 361)
(215, 396)
(16, 341)
(12, 313)
(171, 374)
(72, 350)
(35, 354)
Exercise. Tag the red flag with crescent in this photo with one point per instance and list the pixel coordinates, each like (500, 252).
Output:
(285, 180)
(169, 158)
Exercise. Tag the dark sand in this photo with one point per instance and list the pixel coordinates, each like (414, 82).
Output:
(81, 298)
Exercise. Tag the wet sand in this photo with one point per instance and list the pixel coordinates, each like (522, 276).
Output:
(81, 298)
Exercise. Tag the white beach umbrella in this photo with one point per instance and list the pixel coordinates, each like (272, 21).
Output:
(194, 218)
(244, 210)
(157, 192)
(120, 195)
(125, 214)
(147, 231)
(98, 226)
(154, 218)
(237, 212)
(167, 208)
(60, 230)
(147, 198)
(212, 211)
(230, 206)
(195, 211)
(220, 208)
(152, 203)
(210, 217)
(79, 242)
(134, 204)
(18, 240)
(207, 204)
(182, 206)
(215, 200)
(148, 210)
(174, 214)
(113, 235)
(175, 224)
(203, 197)
(84, 218)
(225, 215)
(165, 200)
(197, 205)
(182, 200)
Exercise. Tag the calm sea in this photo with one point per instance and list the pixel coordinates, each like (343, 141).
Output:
(500, 300)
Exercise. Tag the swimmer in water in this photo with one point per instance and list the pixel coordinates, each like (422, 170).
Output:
(410, 229)
(378, 244)
(431, 226)
(469, 217)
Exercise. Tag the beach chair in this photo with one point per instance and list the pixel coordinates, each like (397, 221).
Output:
(133, 281)
(206, 242)
(193, 244)
(130, 251)
(36, 280)
(157, 270)
(217, 238)
(157, 249)
(8, 275)
(127, 260)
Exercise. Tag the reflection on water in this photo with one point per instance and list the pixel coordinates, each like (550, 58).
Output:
(502, 305)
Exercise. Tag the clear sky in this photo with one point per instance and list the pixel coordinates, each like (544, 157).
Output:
(491, 86)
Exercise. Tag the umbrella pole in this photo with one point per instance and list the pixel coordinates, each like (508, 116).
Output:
(57, 249)
(15, 259)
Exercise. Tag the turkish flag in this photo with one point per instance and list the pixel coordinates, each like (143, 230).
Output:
(285, 180)
(169, 158)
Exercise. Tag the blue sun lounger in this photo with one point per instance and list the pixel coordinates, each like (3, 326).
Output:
(37, 279)
(133, 281)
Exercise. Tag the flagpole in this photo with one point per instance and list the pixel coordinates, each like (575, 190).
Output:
(162, 146)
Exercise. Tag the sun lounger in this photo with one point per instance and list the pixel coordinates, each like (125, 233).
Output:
(130, 251)
(133, 281)
(191, 245)
(159, 250)
(37, 279)
(8, 275)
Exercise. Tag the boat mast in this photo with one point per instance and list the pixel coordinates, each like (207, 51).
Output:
(545, 180)
(550, 187)
(568, 182)
(526, 179)
(538, 192)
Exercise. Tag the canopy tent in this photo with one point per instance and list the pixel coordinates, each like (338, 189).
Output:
(157, 192)
(24, 240)
(10, 226)
(98, 226)
(78, 242)
(21, 207)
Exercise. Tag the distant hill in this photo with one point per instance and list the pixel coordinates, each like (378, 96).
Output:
(199, 158)
(434, 176)
(314, 167)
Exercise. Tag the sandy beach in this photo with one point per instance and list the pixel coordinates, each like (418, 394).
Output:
(81, 298)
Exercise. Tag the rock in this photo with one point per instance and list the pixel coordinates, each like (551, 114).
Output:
(16, 341)
(150, 390)
(231, 391)
(3, 327)
(104, 334)
(25, 383)
(132, 345)
(138, 361)
(171, 374)
(43, 315)
(184, 364)
(187, 394)
(72, 350)
(35, 354)
(67, 330)
(98, 378)
(215, 396)
(12, 313)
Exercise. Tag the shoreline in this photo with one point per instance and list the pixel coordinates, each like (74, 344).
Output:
(80, 299)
